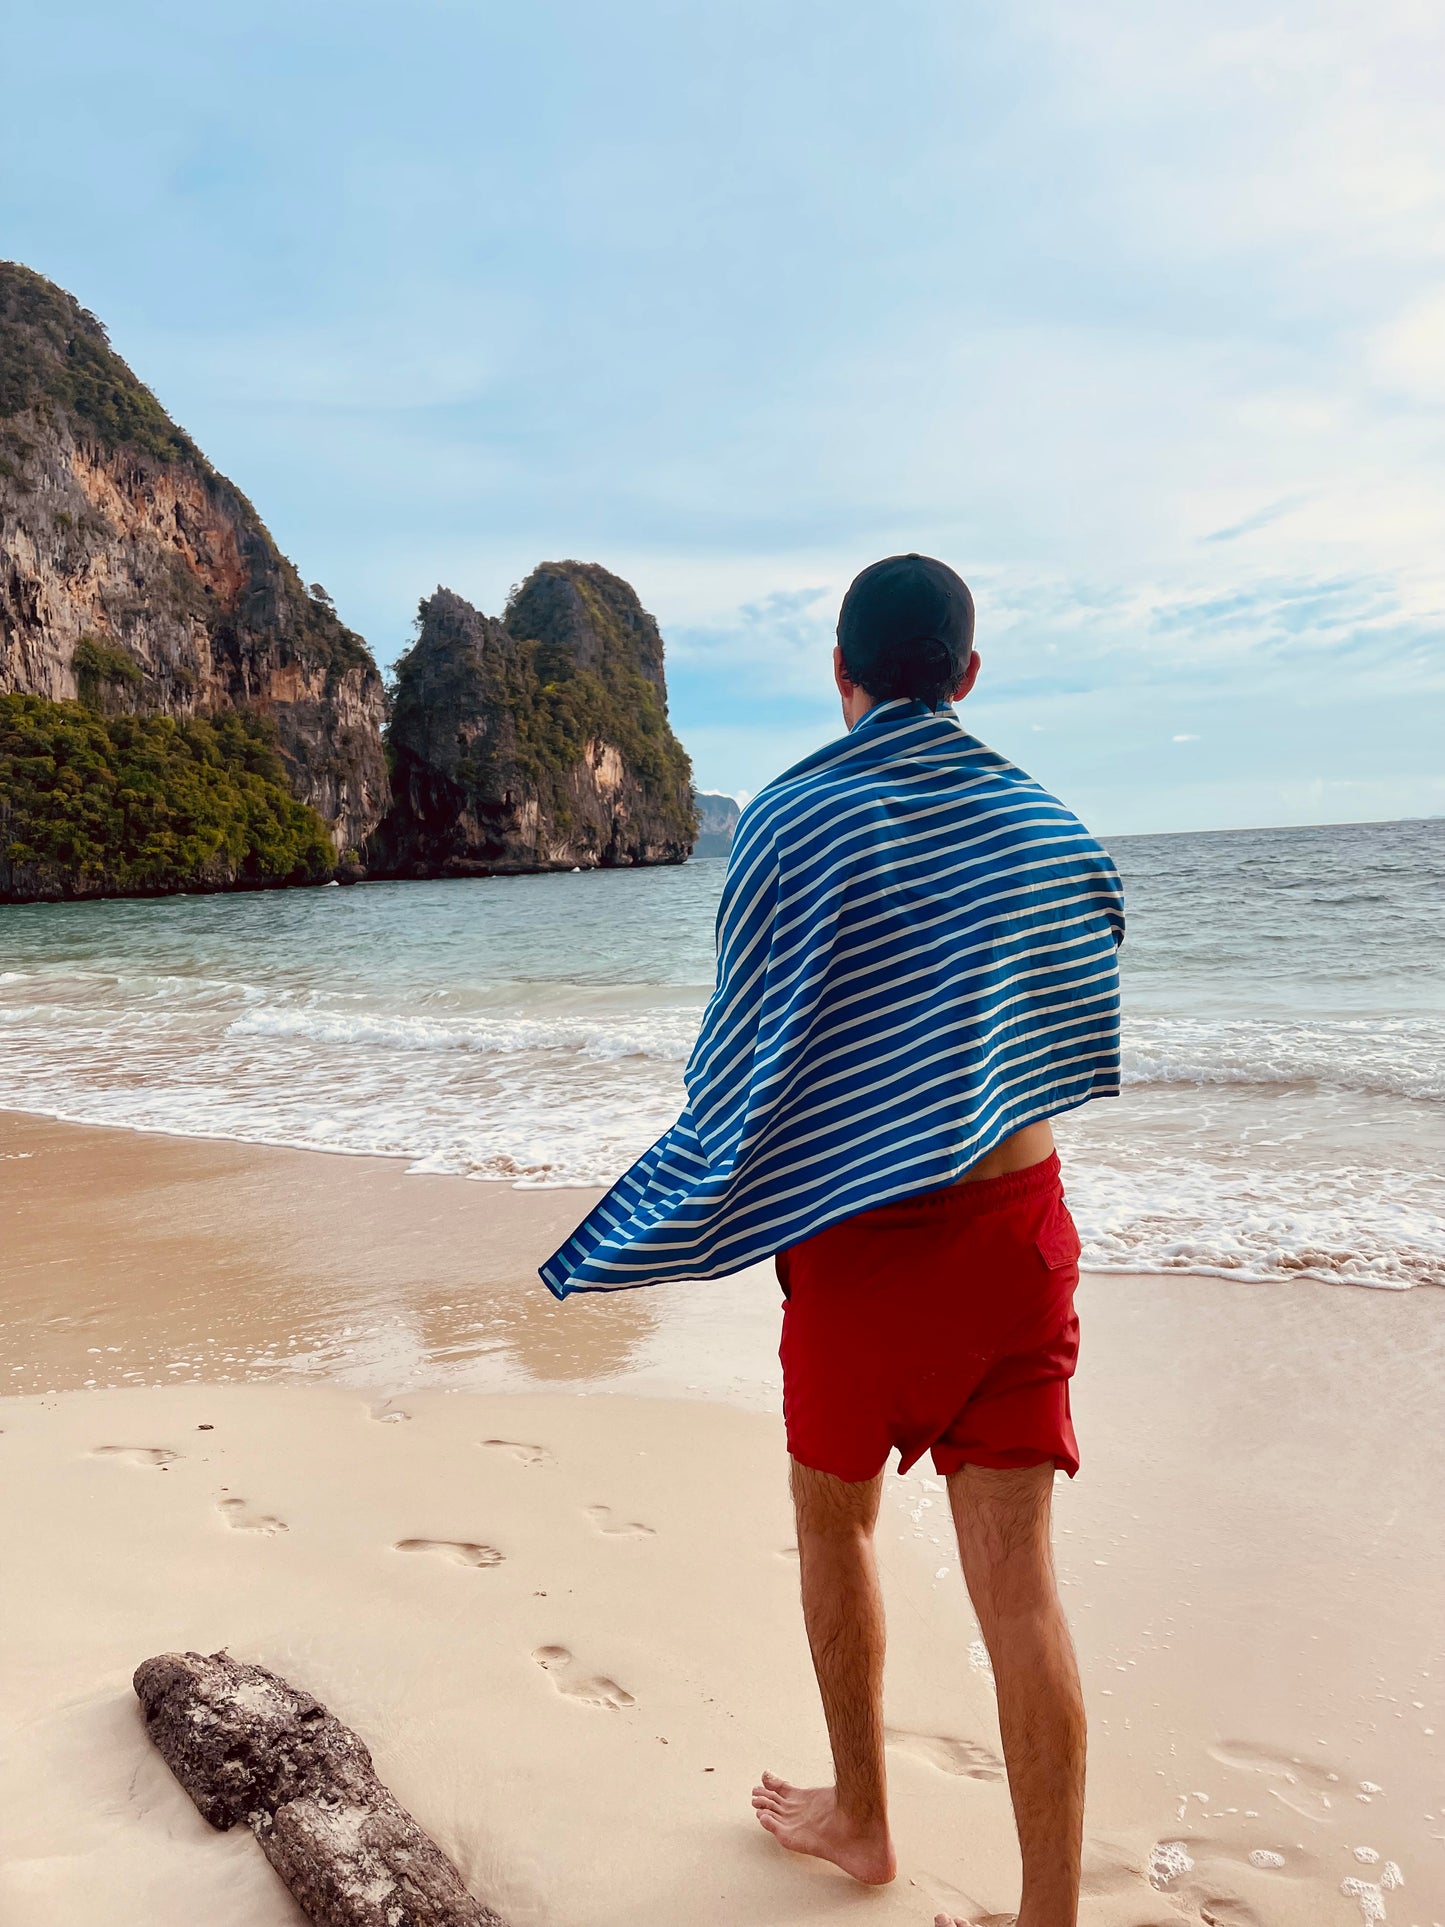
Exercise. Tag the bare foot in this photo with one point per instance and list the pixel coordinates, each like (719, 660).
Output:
(807, 1820)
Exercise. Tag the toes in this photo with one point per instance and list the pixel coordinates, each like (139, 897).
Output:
(770, 1823)
(772, 1781)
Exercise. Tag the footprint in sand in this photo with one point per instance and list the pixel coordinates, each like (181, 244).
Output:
(528, 1454)
(964, 1758)
(603, 1517)
(557, 1663)
(461, 1552)
(137, 1454)
(241, 1518)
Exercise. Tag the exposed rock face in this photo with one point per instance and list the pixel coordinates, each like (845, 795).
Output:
(537, 742)
(136, 577)
(717, 818)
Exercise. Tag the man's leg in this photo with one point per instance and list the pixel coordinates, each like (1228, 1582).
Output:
(1003, 1520)
(846, 1823)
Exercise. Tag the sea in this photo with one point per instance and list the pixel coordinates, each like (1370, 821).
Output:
(1283, 1112)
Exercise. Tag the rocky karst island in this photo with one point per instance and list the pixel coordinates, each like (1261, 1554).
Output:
(537, 741)
(179, 711)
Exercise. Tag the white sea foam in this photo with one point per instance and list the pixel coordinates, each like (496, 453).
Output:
(1368, 1896)
(1362, 1224)
(1169, 1860)
(664, 1034)
(580, 1114)
(1403, 1056)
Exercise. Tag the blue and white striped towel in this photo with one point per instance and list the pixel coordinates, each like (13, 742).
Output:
(916, 957)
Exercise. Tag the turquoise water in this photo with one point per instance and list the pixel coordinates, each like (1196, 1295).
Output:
(1284, 1041)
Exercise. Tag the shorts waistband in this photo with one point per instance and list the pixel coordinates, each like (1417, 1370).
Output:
(985, 1194)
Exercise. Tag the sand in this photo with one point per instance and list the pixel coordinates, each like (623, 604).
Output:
(555, 1593)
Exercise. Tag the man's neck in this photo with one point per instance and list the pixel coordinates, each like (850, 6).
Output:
(856, 705)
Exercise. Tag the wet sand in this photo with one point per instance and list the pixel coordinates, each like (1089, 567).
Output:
(1251, 1556)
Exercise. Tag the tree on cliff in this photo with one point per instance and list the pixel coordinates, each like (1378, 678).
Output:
(95, 805)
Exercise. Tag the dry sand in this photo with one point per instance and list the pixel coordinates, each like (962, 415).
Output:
(1252, 1559)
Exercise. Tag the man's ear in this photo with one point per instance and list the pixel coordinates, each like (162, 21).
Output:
(845, 682)
(970, 677)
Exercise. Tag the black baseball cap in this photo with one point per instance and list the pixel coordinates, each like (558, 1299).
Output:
(906, 629)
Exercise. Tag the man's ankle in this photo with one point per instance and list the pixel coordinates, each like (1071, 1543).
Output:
(863, 1817)
(1055, 1913)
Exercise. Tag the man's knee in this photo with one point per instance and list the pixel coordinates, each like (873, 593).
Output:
(830, 1506)
(1002, 1517)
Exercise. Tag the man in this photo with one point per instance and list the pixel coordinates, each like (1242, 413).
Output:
(916, 971)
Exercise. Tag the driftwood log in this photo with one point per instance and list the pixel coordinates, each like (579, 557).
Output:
(251, 1748)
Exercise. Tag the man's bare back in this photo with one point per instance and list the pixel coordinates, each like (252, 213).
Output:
(1025, 1148)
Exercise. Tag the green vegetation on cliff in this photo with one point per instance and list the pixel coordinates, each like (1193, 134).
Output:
(540, 741)
(566, 702)
(53, 350)
(96, 805)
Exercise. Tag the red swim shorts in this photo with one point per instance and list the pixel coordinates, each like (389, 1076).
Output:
(944, 1321)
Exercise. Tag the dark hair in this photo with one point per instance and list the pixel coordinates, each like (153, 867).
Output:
(906, 629)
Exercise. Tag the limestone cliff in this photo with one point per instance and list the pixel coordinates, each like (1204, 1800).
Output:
(717, 818)
(135, 577)
(537, 742)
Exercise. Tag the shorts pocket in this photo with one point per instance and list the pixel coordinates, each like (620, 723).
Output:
(1058, 1241)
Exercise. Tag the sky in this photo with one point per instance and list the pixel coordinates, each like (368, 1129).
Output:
(1135, 315)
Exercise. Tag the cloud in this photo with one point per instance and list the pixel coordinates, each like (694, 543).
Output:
(1262, 519)
(1408, 354)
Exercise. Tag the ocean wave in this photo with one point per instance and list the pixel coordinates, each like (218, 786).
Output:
(664, 1034)
(1399, 1056)
(1384, 1057)
(1341, 1225)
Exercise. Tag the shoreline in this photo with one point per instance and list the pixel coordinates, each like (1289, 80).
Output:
(344, 876)
(347, 876)
(13, 1122)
